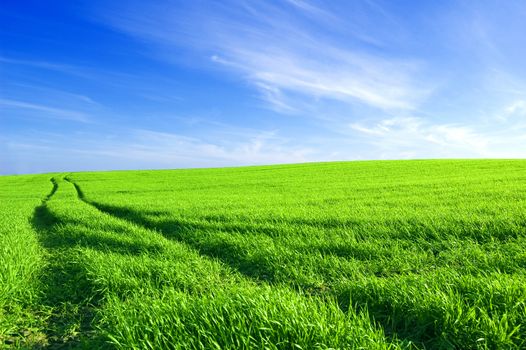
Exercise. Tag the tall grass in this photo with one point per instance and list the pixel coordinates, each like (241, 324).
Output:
(374, 255)
(21, 258)
(432, 250)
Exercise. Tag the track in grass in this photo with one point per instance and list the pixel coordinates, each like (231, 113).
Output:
(66, 292)
(279, 303)
(419, 254)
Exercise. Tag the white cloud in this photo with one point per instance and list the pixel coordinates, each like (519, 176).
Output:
(148, 149)
(342, 76)
(258, 148)
(57, 94)
(417, 137)
(305, 6)
(517, 109)
(57, 67)
(275, 98)
(52, 112)
(276, 52)
(412, 137)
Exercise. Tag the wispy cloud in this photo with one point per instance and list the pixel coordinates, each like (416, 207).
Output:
(516, 109)
(46, 111)
(282, 55)
(144, 148)
(257, 148)
(412, 131)
(58, 67)
(113, 77)
(63, 94)
(412, 137)
(343, 76)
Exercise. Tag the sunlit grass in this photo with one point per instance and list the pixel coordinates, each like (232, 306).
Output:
(399, 254)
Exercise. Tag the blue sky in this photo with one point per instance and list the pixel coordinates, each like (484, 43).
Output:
(95, 85)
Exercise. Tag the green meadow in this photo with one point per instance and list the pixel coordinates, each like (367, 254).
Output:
(424, 254)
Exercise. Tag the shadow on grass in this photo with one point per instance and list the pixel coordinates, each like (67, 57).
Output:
(415, 326)
(255, 267)
(422, 326)
(479, 231)
(259, 269)
(67, 293)
(69, 298)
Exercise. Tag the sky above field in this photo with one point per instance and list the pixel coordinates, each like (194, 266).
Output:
(95, 85)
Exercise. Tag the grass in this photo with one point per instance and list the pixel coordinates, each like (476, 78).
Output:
(374, 255)
(21, 259)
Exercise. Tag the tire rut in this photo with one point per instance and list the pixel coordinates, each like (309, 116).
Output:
(133, 218)
(66, 297)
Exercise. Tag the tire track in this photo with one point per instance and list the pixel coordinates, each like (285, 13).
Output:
(250, 274)
(66, 297)
(132, 217)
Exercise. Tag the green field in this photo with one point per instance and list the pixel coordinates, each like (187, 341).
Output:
(372, 255)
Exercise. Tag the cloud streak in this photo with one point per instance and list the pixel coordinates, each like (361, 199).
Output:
(280, 55)
(49, 112)
(412, 137)
(255, 148)
(144, 148)
(57, 67)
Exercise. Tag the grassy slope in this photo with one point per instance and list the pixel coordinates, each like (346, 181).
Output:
(21, 258)
(374, 254)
